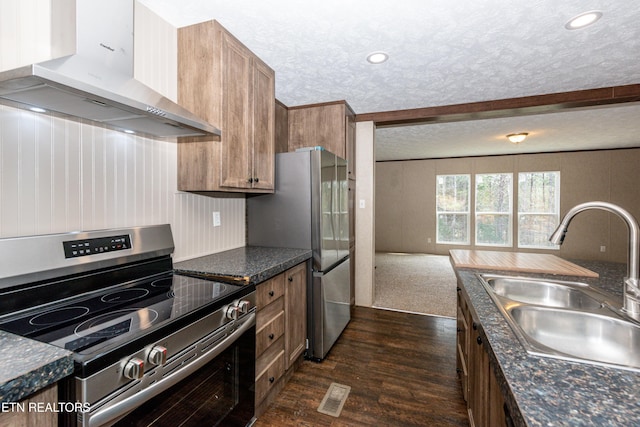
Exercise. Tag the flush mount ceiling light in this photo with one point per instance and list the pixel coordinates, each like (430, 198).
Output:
(517, 138)
(583, 20)
(377, 57)
(37, 110)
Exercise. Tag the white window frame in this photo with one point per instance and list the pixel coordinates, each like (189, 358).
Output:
(467, 212)
(508, 213)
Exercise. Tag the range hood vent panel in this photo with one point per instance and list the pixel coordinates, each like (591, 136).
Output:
(80, 87)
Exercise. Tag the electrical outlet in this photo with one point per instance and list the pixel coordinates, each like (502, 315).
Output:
(428, 239)
(603, 248)
(216, 219)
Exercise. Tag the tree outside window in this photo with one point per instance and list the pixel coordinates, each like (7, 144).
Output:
(452, 209)
(493, 209)
(538, 208)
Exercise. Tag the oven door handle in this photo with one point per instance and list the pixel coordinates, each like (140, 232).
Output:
(117, 410)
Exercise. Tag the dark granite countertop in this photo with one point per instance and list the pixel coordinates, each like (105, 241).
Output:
(248, 264)
(542, 391)
(26, 366)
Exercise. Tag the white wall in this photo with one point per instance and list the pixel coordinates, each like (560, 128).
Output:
(365, 216)
(58, 175)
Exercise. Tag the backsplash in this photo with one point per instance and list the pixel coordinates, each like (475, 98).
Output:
(58, 175)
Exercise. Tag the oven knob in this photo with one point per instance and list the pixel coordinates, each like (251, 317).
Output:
(232, 312)
(244, 306)
(133, 369)
(157, 355)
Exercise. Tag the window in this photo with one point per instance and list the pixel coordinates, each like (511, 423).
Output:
(452, 209)
(493, 209)
(538, 208)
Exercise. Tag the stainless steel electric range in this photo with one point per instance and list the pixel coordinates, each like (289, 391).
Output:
(149, 346)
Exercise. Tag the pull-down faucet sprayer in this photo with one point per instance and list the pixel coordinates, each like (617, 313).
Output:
(631, 291)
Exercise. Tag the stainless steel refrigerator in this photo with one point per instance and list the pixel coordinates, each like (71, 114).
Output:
(309, 209)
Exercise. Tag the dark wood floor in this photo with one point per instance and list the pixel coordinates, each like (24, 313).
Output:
(401, 369)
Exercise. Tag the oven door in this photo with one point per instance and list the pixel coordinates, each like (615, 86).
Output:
(217, 388)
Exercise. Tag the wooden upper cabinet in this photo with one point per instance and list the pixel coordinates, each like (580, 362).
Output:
(223, 82)
(328, 125)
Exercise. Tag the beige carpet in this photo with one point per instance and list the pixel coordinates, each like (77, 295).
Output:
(417, 283)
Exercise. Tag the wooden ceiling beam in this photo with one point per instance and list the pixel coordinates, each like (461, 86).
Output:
(527, 105)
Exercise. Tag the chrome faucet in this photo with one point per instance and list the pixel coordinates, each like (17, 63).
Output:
(631, 291)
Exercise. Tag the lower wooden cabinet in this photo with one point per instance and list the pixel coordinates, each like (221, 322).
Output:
(280, 331)
(32, 411)
(480, 387)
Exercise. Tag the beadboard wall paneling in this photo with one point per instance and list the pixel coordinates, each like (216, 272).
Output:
(23, 42)
(405, 200)
(58, 175)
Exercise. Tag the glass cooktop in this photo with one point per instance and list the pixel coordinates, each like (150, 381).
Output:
(91, 322)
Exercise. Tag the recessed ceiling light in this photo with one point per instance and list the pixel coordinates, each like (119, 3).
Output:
(582, 20)
(37, 110)
(377, 57)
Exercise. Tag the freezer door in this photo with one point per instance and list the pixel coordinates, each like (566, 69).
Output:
(342, 212)
(330, 308)
(329, 205)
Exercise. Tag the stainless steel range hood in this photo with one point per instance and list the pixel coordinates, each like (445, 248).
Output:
(96, 83)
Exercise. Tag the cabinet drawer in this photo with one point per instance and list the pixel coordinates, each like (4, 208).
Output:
(270, 377)
(270, 333)
(269, 291)
(268, 356)
(268, 313)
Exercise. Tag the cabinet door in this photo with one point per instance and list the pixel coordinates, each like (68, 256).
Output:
(296, 312)
(350, 128)
(318, 125)
(478, 380)
(263, 126)
(236, 113)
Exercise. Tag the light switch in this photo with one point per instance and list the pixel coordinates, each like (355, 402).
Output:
(361, 203)
(216, 219)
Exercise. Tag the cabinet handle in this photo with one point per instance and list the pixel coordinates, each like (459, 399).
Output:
(271, 293)
(250, 180)
(256, 180)
(479, 340)
(290, 279)
(458, 289)
(475, 326)
(271, 336)
(458, 330)
(272, 379)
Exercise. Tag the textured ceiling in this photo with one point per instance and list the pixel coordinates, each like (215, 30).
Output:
(442, 53)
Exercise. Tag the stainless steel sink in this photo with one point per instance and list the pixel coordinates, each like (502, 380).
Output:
(566, 320)
(543, 292)
(580, 335)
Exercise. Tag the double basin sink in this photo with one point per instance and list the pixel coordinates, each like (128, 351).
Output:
(566, 320)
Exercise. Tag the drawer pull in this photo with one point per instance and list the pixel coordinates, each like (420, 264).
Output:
(271, 293)
(272, 379)
(290, 279)
(271, 336)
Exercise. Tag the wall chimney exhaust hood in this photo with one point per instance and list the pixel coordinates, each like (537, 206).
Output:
(95, 84)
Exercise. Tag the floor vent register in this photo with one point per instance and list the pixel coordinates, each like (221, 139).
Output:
(334, 399)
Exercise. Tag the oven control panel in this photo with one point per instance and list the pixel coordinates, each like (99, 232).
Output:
(98, 245)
